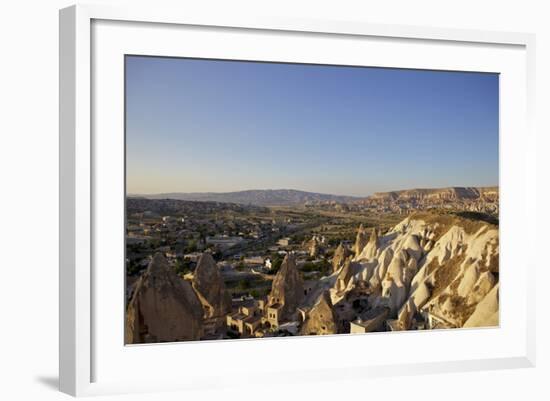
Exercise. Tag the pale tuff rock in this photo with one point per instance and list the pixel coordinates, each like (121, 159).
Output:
(409, 273)
(413, 248)
(432, 266)
(486, 312)
(326, 283)
(163, 308)
(347, 278)
(439, 268)
(455, 243)
(471, 275)
(344, 276)
(340, 256)
(394, 284)
(397, 267)
(314, 246)
(394, 294)
(209, 285)
(321, 319)
(428, 246)
(405, 315)
(384, 261)
(483, 285)
(367, 270)
(371, 249)
(458, 300)
(420, 296)
(361, 240)
(287, 288)
(416, 301)
(314, 249)
(375, 283)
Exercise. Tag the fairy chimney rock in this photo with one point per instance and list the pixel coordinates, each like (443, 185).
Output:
(209, 285)
(287, 289)
(360, 240)
(340, 256)
(321, 319)
(163, 308)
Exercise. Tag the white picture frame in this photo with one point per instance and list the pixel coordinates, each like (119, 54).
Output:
(84, 60)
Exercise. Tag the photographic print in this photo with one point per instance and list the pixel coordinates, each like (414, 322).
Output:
(272, 199)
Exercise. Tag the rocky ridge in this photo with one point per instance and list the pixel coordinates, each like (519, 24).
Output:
(449, 193)
(429, 271)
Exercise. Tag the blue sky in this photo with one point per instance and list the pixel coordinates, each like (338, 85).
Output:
(218, 126)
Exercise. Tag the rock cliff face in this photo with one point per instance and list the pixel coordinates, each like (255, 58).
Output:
(345, 275)
(210, 288)
(370, 250)
(287, 288)
(451, 193)
(486, 312)
(437, 268)
(360, 240)
(340, 256)
(163, 308)
(321, 319)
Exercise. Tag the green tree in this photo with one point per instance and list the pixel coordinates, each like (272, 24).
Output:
(244, 285)
(182, 266)
(276, 263)
(192, 246)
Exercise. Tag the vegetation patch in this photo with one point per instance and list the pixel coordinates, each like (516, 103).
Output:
(446, 273)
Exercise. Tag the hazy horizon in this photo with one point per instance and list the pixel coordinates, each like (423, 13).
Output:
(300, 190)
(227, 126)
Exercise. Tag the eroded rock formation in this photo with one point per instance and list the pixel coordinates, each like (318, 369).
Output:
(163, 308)
(287, 288)
(321, 319)
(209, 285)
(370, 250)
(360, 240)
(340, 256)
(210, 289)
(435, 270)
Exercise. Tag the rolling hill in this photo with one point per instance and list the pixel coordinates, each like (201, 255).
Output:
(259, 197)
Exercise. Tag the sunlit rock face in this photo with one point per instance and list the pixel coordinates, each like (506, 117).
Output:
(437, 269)
(340, 255)
(360, 240)
(371, 249)
(321, 319)
(163, 308)
(287, 289)
(486, 312)
(344, 276)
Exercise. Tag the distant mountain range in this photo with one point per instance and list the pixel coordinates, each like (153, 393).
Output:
(259, 197)
(449, 193)
(290, 197)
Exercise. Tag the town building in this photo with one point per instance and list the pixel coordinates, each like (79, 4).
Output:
(247, 320)
(254, 260)
(284, 242)
(224, 242)
(373, 320)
